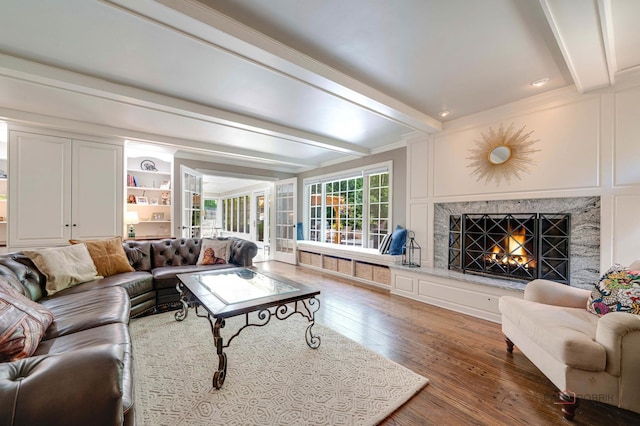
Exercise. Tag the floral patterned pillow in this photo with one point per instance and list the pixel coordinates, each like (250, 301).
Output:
(617, 291)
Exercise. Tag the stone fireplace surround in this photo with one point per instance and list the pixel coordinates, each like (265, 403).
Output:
(585, 229)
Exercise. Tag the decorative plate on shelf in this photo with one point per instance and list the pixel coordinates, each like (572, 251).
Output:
(148, 165)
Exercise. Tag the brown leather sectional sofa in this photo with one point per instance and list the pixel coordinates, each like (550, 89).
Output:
(82, 370)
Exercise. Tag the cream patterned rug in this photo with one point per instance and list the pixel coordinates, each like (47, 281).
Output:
(273, 377)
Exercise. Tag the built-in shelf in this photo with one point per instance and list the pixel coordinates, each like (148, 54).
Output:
(152, 185)
(147, 188)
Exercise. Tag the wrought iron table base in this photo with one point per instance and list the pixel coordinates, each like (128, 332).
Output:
(306, 308)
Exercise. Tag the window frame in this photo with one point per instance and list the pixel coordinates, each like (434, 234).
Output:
(236, 217)
(360, 172)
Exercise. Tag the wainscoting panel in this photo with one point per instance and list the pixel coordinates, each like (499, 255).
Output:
(418, 158)
(626, 246)
(627, 129)
(478, 300)
(418, 223)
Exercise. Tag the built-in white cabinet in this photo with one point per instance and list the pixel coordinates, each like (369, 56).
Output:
(63, 188)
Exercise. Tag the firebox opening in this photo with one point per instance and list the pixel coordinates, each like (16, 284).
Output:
(522, 246)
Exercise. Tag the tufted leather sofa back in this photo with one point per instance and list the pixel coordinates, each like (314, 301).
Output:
(175, 252)
(23, 275)
(139, 254)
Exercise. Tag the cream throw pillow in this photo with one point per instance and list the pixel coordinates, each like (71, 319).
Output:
(64, 266)
(221, 250)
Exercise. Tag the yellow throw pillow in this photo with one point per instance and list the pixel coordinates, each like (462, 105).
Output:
(108, 256)
(64, 266)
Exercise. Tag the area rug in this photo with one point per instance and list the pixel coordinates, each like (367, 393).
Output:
(273, 377)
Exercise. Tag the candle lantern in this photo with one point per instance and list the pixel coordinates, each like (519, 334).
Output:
(412, 252)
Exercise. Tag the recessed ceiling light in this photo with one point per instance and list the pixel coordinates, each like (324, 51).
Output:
(540, 82)
(444, 113)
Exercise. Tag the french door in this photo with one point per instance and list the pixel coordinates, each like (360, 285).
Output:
(191, 203)
(285, 221)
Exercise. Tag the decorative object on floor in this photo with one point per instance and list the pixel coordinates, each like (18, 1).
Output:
(412, 252)
(502, 154)
(273, 380)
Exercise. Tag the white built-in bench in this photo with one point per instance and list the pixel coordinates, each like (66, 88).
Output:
(361, 264)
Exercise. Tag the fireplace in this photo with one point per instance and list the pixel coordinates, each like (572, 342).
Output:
(517, 245)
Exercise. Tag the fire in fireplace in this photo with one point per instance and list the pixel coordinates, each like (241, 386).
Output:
(523, 246)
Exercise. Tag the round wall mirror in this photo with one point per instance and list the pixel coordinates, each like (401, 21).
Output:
(499, 154)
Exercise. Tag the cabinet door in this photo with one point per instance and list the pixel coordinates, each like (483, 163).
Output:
(97, 190)
(39, 189)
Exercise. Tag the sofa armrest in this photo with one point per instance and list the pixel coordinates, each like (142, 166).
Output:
(616, 331)
(242, 252)
(72, 388)
(553, 293)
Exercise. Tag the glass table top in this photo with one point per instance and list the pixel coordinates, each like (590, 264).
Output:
(236, 286)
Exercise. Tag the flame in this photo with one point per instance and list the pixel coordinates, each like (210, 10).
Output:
(515, 254)
(515, 246)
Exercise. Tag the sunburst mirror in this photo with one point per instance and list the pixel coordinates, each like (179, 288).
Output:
(502, 154)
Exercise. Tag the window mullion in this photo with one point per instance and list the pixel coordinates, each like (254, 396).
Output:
(365, 211)
(323, 213)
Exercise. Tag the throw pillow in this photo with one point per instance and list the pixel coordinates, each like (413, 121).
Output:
(108, 256)
(635, 265)
(23, 323)
(398, 240)
(64, 266)
(214, 252)
(617, 291)
(383, 248)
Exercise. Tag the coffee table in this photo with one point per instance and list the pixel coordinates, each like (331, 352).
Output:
(231, 292)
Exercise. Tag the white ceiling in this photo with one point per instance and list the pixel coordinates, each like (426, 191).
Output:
(293, 85)
(216, 185)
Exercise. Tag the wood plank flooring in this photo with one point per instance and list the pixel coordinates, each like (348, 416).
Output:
(473, 379)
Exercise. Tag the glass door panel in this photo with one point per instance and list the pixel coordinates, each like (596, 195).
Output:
(191, 203)
(285, 221)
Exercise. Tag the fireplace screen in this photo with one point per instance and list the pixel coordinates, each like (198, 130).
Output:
(522, 246)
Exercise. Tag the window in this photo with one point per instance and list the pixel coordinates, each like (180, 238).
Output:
(351, 209)
(210, 214)
(236, 215)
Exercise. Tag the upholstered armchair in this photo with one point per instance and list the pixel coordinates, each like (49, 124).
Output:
(586, 356)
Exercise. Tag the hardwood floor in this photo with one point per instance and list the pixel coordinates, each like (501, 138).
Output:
(472, 377)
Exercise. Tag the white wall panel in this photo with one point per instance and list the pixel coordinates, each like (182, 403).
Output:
(418, 223)
(418, 156)
(569, 144)
(626, 234)
(627, 142)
